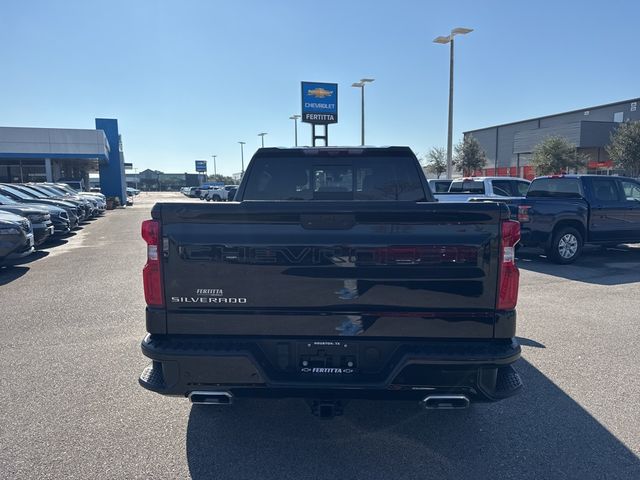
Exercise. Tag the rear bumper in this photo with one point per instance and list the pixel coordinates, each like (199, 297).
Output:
(389, 369)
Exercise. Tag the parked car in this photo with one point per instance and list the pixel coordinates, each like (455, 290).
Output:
(216, 194)
(98, 205)
(438, 185)
(101, 198)
(231, 193)
(132, 191)
(77, 185)
(40, 193)
(73, 211)
(16, 237)
(38, 216)
(345, 280)
(58, 216)
(193, 192)
(561, 213)
(464, 189)
(97, 202)
(203, 191)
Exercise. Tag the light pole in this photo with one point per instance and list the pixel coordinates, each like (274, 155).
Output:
(242, 157)
(361, 85)
(295, 126)
(261, 135)
(444, 41)
(215, 171)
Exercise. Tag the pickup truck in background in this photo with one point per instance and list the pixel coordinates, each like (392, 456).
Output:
(499, 188)
(561, 213)
(334, 275)
(216, 194)
(438, 185)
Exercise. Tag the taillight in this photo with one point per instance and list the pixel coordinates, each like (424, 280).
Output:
(509, 279)
(523, 213)
(152, 272)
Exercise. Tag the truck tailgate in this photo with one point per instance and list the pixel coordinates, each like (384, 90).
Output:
(387, 269)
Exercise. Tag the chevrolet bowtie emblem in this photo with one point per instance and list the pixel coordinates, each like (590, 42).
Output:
(319, 92)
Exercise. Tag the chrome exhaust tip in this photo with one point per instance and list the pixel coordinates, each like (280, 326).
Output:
(211, 397)
(445, 402)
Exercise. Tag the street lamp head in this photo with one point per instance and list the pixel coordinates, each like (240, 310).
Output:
(357, 84)
(295, 117)
(262, 134)
(242, 143)
(461, 31)
(442, 39)
(367, 80)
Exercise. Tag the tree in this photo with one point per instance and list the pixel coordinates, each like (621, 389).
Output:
(556, 155)
(221, 178)
(436, 161)
(469, 156)
(624, 148)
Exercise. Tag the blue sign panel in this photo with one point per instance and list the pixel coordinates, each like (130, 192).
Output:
(201, 165)
(319, 102)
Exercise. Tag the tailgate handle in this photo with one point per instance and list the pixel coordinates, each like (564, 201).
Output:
(328, 221)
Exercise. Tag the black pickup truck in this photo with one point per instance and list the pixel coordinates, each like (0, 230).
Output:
(561, 213)
(334, 275)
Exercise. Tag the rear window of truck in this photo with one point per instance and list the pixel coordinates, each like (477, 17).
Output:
(334, 178)
(440, 186)
(510, 188)
(556, 187)
(467, 186)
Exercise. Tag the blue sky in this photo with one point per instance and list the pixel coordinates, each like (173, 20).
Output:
(188, 79)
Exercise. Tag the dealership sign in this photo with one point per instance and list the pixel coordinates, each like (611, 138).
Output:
(319, 103)
(201, 165)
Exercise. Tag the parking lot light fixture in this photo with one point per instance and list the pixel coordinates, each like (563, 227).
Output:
(295, 126)
(242, 144)
(444, 40)
(261, 135)
(360, 85)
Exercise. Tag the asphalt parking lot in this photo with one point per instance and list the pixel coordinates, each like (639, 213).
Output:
(72, 318)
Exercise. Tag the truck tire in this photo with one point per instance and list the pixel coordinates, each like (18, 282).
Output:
(566, 246)
(216, 198)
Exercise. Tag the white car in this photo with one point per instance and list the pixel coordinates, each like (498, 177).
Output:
(216, 194)
(469, 188)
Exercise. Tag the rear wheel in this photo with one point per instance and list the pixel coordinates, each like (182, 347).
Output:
(566, 246)
(216, 198)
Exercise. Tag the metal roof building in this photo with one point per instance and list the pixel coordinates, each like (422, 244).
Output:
(509, 146)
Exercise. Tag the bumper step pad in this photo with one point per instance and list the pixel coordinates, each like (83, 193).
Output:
(508, 382)
(152, 377)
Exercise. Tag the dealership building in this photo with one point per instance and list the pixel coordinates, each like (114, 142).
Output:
(509, 147)
(57, 154)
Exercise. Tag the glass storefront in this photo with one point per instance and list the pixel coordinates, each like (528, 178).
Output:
(13, 171)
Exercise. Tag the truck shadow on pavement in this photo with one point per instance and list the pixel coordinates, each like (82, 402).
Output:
(540, 434)
(611, 266)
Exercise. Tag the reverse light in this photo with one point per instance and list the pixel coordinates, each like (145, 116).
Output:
(509, 279)
(152, 271)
